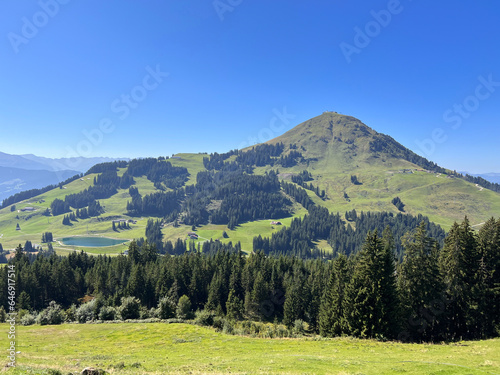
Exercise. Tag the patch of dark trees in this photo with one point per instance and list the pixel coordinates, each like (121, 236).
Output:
(159, 172)
(298, 238)
(159, 204)
(302, 178)
(399, 204)
(243, 197)
(258, 156)
(297, 193)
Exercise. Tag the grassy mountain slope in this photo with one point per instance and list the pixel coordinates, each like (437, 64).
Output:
(334, 147)
(339, 146)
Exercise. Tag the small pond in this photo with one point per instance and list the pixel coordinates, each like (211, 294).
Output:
(91, 241)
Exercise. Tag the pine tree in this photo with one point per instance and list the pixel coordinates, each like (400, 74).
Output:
(420, 287)
(136, 282)
(293, 308)
(332, 321)
(234, 306)
(371, 305)
(215, 295)
(259, 295)
(459, 264)
(489, 301)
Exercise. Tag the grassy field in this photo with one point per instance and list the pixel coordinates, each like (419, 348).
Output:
(160, 348)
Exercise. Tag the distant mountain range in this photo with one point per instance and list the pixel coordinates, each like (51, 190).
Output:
(33, 162)
(26, 172)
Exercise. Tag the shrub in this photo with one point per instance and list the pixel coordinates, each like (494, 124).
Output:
(86, 312)
(70, 313)
(166, 308)
(204, 317)
(28, 320)
(218, 323)
(228, 328)
(299, 327)
(183, 310)
(107, 313)
(53, 314)
(130, 308)
(144, 313)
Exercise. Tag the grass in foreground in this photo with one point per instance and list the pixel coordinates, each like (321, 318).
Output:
(160, 348)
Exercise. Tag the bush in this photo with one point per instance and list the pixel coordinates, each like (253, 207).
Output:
(70, 313)
(28, 320)
(144, 313)
(154, 313)
(299, 327)
(204, 318)
(183, 310)
(218, 323)
(228, 328)
(86, 312)
(166, 308)
(21, 313)
(53, 314)
(130, 308)
(107, 313)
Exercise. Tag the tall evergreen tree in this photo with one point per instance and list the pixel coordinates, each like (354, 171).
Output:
(293, 308)
(371, 295)
(459, 263)
(332, 320)
(420, 287)
(489, 254)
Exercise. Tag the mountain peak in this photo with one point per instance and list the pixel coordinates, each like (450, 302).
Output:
(346, 143)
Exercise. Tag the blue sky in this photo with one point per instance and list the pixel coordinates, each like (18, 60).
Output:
(130, 78)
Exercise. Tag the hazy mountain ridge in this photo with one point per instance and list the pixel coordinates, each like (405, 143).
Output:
(79, 163)
(26, 172)
(15, 180)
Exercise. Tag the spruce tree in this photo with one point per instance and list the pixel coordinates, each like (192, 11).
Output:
(459, 264)
(234, 306)
(293, 308)
(371, 295)
(332, 321)
(489, 254)
(420, 287)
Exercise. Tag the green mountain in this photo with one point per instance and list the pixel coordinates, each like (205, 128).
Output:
(337, 147)
(348, 166)
(344, 144)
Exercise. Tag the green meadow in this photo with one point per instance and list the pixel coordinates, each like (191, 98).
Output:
(161, 348)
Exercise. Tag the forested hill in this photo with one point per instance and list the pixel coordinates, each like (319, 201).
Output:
(327, 182)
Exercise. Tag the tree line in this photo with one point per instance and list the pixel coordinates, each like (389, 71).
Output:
(232, 197)
(435, 293)
(319, 224)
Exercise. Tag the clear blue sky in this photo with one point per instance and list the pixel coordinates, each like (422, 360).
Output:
(423, 68)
